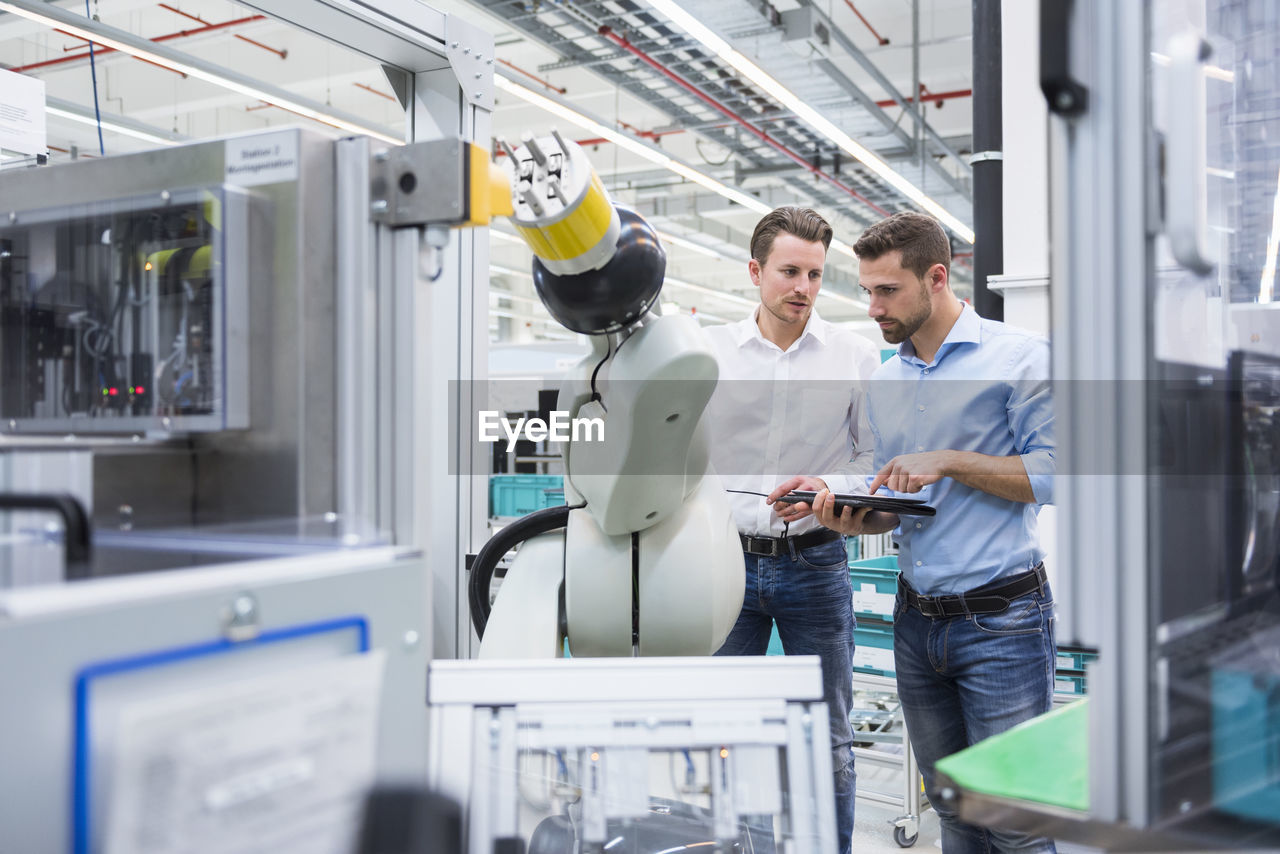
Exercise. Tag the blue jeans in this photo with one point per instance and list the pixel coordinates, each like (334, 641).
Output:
(810, 597)
(963, 679)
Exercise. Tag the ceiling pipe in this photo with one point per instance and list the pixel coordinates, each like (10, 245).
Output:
(879, 38)
(930, 96)
(380, 94)
(277, 51)
(99, 50)
(535, 78)
(622, 42)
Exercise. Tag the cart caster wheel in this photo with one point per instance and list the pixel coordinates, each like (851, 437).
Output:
(904, 841)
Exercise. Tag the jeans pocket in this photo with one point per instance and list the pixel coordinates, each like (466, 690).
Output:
(1023, 617)
(827, 557)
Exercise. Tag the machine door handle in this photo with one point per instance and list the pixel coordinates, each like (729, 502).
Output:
(1186, 199)
(74, 519)
(1066, 95)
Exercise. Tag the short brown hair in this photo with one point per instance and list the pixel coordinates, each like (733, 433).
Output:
(920, 238)
(804, 223)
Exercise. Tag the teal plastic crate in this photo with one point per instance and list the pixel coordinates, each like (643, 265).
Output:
(1071, 658)
(873, 647)
(875, 585)
(521, 494)
(775, 643)
(1246, 732)
(1066, 683)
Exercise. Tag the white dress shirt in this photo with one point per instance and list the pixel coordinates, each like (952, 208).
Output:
(776, 414)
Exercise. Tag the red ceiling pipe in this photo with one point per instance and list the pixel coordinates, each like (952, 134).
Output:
(879, 38)
(368, 88)
(99, 50)
(560, 89)
(932, 96)
(102, 50)
(800, 159)
(277, 51)
(654, 135)
(599, 140)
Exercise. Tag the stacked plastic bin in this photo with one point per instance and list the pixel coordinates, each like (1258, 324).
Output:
(521, 494)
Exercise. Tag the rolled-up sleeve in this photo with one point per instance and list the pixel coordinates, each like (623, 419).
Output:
(1030, 409)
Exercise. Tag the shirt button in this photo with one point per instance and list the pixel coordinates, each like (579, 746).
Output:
(922, 409)
(919, 563)
(925, 371)
(919, 525)
(919, 447)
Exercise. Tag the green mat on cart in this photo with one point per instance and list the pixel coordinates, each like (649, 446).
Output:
(1045, 760)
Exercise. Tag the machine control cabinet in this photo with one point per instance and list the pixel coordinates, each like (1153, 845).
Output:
(126, 316)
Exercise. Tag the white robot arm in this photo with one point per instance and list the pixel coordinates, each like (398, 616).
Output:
(645, 559)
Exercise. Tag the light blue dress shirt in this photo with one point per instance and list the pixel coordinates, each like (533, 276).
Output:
(987, 390)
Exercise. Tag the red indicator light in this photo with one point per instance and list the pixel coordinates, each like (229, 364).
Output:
(141, 390)
(114, 392)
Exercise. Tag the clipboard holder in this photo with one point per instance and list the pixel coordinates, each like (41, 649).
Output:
(236, 640)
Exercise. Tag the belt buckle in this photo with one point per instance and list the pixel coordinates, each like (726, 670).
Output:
(928, 605)
(762, 546)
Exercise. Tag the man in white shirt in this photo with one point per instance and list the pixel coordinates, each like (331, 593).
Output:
(791, 399)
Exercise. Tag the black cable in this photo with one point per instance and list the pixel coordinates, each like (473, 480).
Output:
(526, 527)
(748, 492)
(595, 395)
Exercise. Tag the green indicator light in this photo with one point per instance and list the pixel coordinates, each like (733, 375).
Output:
(104, 391)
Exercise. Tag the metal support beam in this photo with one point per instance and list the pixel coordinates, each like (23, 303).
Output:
(383, 33)
(988, 163)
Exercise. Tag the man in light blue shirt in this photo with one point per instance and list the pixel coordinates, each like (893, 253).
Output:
(961, 417)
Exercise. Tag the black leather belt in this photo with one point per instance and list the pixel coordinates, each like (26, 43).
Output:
(988, 599)
(774, 546)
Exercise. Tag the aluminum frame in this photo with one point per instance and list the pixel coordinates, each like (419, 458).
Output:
(425, 489)
(1102, 230)
(483, 712)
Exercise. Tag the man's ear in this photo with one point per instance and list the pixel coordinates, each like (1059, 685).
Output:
(937, 277)
(753, 267)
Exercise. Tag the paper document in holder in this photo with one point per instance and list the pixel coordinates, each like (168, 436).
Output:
(271, 764)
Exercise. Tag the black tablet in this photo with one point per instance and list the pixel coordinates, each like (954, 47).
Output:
(901, 506)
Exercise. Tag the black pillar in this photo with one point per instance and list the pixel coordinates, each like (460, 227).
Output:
(988, 168)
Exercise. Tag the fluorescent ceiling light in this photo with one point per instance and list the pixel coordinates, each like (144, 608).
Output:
(1213, 71)
(703, 289)
(692, 246)
(679, 283)
(838, 297)
(114, 124)
(808, 114)
(506, 237)
(126, 42)
(845, 249)
(497, 294)
(1266, 288)
(510, 271)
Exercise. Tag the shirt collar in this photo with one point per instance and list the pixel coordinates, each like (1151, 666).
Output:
(747, 329)
(966, 330)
